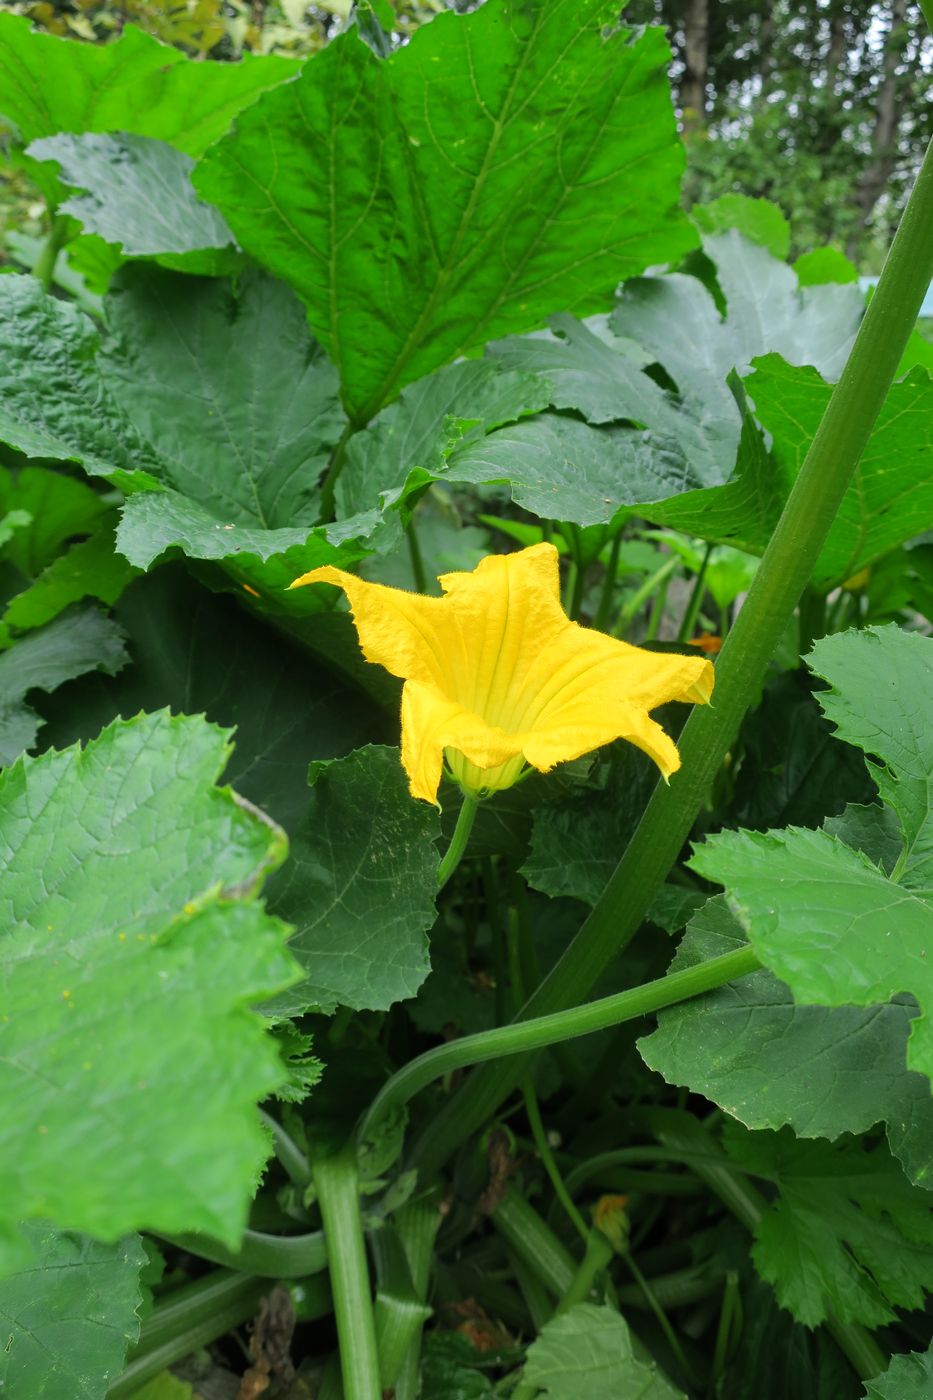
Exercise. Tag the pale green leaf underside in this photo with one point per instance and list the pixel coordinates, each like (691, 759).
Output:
(136, 192)
(498, 163)
(132, 955)
(588, 1350)
(359, 886)
(68, 1316)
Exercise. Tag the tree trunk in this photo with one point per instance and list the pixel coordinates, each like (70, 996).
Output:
(874, 178)
(693, 83)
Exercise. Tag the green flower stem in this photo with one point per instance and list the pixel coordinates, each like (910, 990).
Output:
(416, 557)
(711, 730)
(290, 1156)
(523, 1036)
(596, 1259)
(609, 583)
(685, 1133)
(543, 1148)
(689, 621)
(57, 237)
(458, 842)
(336, 1181)
(638, 599)
(267, 1256)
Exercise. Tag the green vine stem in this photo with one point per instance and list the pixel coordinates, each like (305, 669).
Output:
(289, 1154)
(266, 1256)
(336, 1181)
(56, 239)
(692, 611)
(711, 730)
(523, 1036)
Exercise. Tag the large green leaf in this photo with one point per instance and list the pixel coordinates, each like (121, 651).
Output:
(238, 401)
(136, 84)
(68, 1316)
(133, 950)
(429, 417)
(675, 317)
(847, 1232)
(59, 508)
(359, 886)
(78, 641)
(201, 652)
(823, 1071)
(837, 927)
(908, 1377)
(589, 1349)
(502, 165)
(890, 498)
(46, 342)
(136, 192)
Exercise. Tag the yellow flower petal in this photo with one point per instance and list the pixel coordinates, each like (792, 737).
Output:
(496, 674)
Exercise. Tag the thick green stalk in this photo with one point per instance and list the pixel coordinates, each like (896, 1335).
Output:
(711, 730)
(417, 1223)
(522, 1036)
(48, 254)
(336, 1181)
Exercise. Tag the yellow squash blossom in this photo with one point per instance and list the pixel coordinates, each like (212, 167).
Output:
(497, 677)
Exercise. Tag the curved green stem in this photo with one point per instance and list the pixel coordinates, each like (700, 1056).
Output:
(458, 842)
(338, 1190)
(334, 468)
(57, 237)
(710, 731)
(289, 1154)
(523, 1036)
(267, 1256)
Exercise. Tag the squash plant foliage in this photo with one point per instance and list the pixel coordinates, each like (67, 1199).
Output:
(390, 312)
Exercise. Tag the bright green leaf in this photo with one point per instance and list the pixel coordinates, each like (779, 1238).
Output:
(589, 1349)
(909, 1377)
(132, 955)
(824, 265)
(359, 886)
(78, 641)
(136, 192)
(136, 84)
(68, 1316)
(424, 203)
(756, 219)
(59, 508)
(847, 1232)
(881, 700)
(823, 1071)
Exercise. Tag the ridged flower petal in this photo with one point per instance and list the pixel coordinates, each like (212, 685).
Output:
(497, 676)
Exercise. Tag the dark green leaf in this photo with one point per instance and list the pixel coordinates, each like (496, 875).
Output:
(457, 189)
(43, 342)
(91, 569)
(133, 951)
(68, 1316)
(360, 885)
(58, 508)
(81, 640)
(199, 652)
(847, 1231)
